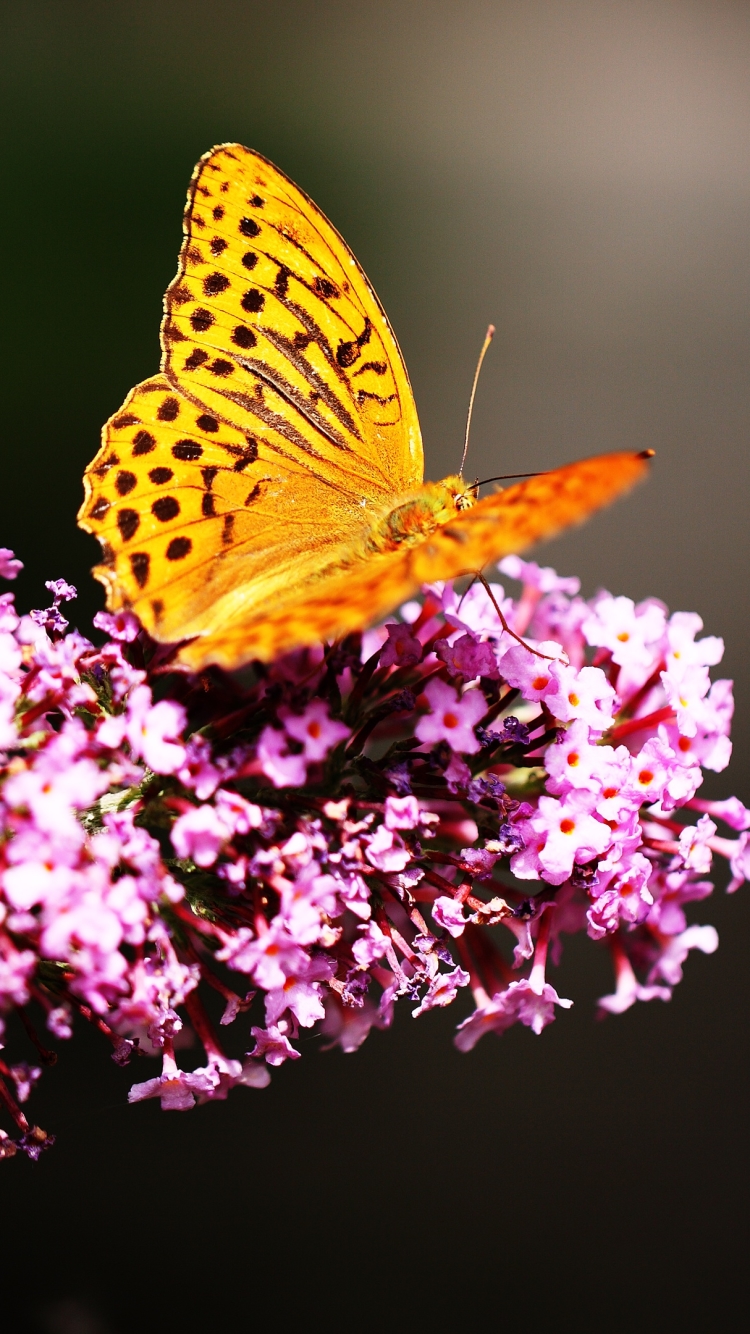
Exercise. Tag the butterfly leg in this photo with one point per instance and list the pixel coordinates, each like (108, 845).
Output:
(547, 656)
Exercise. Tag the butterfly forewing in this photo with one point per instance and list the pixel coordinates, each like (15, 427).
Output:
(271, 325)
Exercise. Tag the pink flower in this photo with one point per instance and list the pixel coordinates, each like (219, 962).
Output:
(537, 677)
(401, 813)
(315, 729)
(199, 834)
(694, 845)
(633, 634)
(731, 811)
(442, 990)
(371, 945)
(122, 625)
(270, 958)
(739, 862)
(468, 657)
(676, 948)
(175, 1088)
(540, 577)
(451, 719)
(273, 1046)
(153, 729)
(584, 694)
(304, 999)
(283, 768)
(449, 914)
(628, 989)
(386, 851)
(402, 648)
(15, 971)
(9, 566)
(565, 832)
(575, 762)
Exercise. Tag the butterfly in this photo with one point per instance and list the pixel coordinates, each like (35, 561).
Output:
(265, 490)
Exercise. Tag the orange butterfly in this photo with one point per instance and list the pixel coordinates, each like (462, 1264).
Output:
(266, 490)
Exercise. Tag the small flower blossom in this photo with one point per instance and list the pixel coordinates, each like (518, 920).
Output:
(9, 566)
(315, 729)
(451, 718)
(401, 648)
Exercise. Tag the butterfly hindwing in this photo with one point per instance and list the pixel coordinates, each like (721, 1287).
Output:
(197, 521)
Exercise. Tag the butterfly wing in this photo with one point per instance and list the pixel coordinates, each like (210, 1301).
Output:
(282, 419)
(342, 602)
(271, 323)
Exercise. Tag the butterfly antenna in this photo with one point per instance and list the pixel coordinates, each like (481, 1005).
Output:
(488, 339)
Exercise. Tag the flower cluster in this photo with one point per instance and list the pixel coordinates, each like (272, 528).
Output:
(307, 842)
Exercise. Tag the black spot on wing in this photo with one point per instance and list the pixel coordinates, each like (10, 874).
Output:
(187, 450)
(215, 283)
(347, 352)
(243, 337)
(165, 508)
(168, 410)
(377, 367)
(249, 227)
(125, 482)
(128, 522)
(207, 423)
(197, 358)
(179, 548)
(324, 288)
(253, 301)
(160, 476)
(143, 443)
(201, 319)
(139, 564)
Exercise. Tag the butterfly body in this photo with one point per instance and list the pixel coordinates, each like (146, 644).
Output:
(266, 489)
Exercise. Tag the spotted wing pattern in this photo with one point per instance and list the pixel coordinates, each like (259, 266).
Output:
(281, 426)
(272, 326)
(361, 594)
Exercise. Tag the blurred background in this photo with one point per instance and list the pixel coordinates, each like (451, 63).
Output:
(579, 174)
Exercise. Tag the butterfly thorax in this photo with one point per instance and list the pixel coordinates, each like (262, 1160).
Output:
(409, 522)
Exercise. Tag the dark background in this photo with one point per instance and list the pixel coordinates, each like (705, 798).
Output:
(578, 173)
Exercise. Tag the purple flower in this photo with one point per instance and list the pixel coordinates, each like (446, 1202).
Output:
(200, 835)
(315, 729)
(121, 625)
(402, 649)
(451, 718)
(449, 914)
(561, 833)
(273, 1046)
(61, 590)
(467, 656)
(9, 566)
(284, 769)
